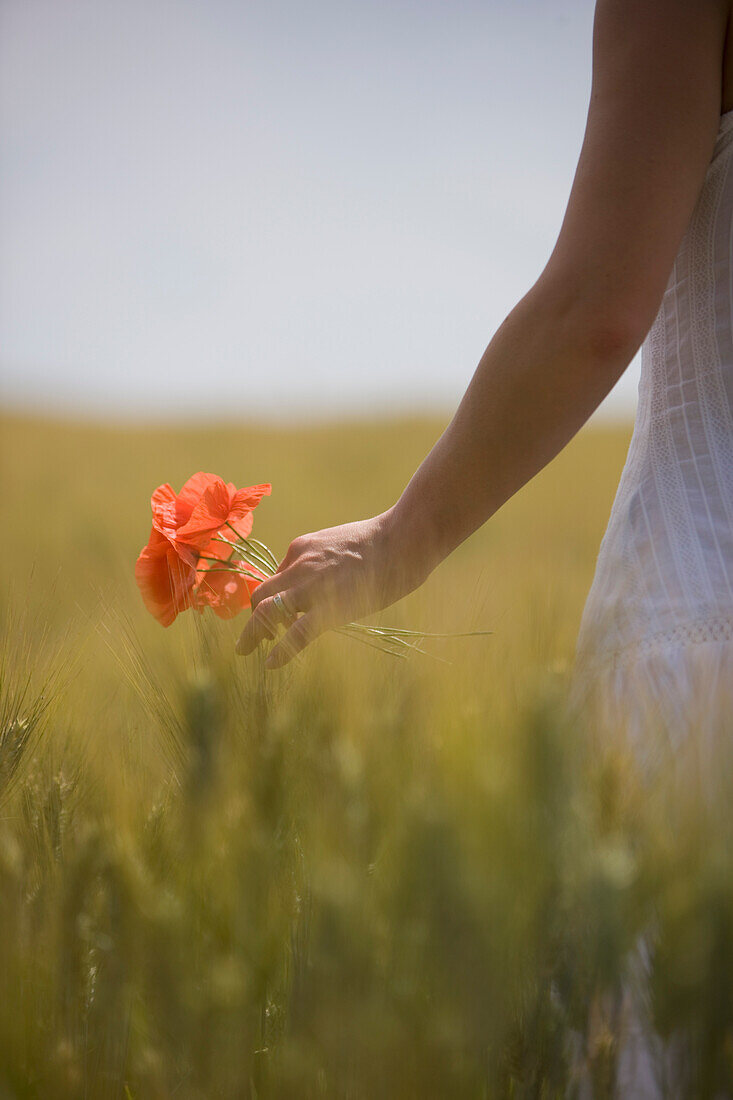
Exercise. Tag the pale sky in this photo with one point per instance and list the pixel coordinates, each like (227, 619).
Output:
(273, 207)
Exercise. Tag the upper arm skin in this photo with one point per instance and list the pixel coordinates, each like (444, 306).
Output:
(652, 122)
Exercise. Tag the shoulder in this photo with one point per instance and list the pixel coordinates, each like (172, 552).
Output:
(653, 54)
(657, 13)
(659, 57)
(653, 118)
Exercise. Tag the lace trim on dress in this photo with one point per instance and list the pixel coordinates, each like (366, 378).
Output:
(718, 629)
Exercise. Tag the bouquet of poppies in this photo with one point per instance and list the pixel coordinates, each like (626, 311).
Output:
(192, 557)
(201, 553)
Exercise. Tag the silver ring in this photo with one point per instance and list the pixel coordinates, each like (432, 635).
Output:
(279, 603)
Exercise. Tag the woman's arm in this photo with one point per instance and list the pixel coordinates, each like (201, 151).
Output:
(653, 118)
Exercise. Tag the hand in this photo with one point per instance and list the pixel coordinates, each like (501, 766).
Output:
(325, 580)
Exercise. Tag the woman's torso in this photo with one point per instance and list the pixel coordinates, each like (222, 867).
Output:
(665, 568)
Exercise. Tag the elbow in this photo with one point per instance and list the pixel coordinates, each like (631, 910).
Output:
(612, 338)
(605, 330)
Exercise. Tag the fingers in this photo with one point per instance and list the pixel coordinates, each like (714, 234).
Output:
(276, 602)
(268, 588)
(274, 611)
(262, 624)
(281, 578)
(285, 611)
(293, 552)
(303, 631)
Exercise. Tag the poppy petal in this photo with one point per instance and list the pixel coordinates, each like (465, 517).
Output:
(244, 500)
(192, 492)
(164, 580)
(164, 504)
(226, 593)
(241, 524)
(209, 515)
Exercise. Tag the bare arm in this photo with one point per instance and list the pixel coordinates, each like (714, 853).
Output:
(652, 123)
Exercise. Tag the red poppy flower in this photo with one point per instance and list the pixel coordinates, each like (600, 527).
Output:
(218, 507)
(225, 592)
(166, 582)
(204, 505)
(184, 537)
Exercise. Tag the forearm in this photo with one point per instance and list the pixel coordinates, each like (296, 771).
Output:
(545, 371)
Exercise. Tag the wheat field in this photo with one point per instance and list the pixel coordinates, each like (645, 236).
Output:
(357, 877)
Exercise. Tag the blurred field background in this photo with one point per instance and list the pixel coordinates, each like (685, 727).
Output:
(357, 877)
(83, 491)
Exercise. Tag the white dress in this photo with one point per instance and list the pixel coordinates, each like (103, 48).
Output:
(656, 637)
(655, 647)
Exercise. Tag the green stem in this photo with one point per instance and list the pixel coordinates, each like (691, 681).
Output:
(372, 645)
(255, 561)
(396, 640)
(264, 557)
(265, 550)
(233, 568)
(250, 555)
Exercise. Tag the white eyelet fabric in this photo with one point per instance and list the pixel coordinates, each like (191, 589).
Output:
(658, 621)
